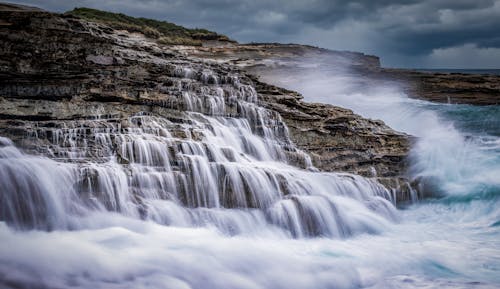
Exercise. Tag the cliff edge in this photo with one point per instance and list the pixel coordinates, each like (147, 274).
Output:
(62, 71)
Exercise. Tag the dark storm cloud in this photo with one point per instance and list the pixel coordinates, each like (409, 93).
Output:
(441, 24)
(404, 32)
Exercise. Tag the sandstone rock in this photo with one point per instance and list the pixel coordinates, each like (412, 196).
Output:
(336, 138)
(460, 88)
(60, 71)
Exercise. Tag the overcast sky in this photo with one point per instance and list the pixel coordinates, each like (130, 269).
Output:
(404, 33)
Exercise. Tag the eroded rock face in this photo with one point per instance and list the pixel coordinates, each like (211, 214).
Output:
(70, 90)
(339, 140)
(265, 54)
(336, 138)
(476, 89)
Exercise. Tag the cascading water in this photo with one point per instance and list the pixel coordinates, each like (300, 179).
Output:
(218, 196)
(215, 197)
(451, 239)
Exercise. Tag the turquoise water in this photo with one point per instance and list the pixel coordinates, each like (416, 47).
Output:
(476, 120)
(452, 238)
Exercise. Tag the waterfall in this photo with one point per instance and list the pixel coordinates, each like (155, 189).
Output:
(225, 162)
(203, 193)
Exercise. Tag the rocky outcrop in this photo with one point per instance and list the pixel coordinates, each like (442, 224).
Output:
(261, 55)
(336, 138)
(477, 89)
(339, 140)
(58, 71)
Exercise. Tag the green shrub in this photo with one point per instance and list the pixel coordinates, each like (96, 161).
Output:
(165, 32)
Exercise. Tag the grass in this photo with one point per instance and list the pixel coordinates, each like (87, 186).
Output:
(164, 32)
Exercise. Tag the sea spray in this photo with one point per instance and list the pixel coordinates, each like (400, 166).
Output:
(214, 202)
(449, 239)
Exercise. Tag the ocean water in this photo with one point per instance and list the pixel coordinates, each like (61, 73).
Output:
(360, 240)
(452, 238)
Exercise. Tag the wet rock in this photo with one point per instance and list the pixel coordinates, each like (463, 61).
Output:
(62, 72)
(336, 138)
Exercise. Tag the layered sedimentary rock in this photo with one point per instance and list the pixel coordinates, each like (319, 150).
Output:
(253, 55)
(132, 126)
(336, 138)
(476, 89)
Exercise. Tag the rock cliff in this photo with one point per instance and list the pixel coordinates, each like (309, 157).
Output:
(336, 138)
(258, 59)
(476, 89)
(62, 73)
